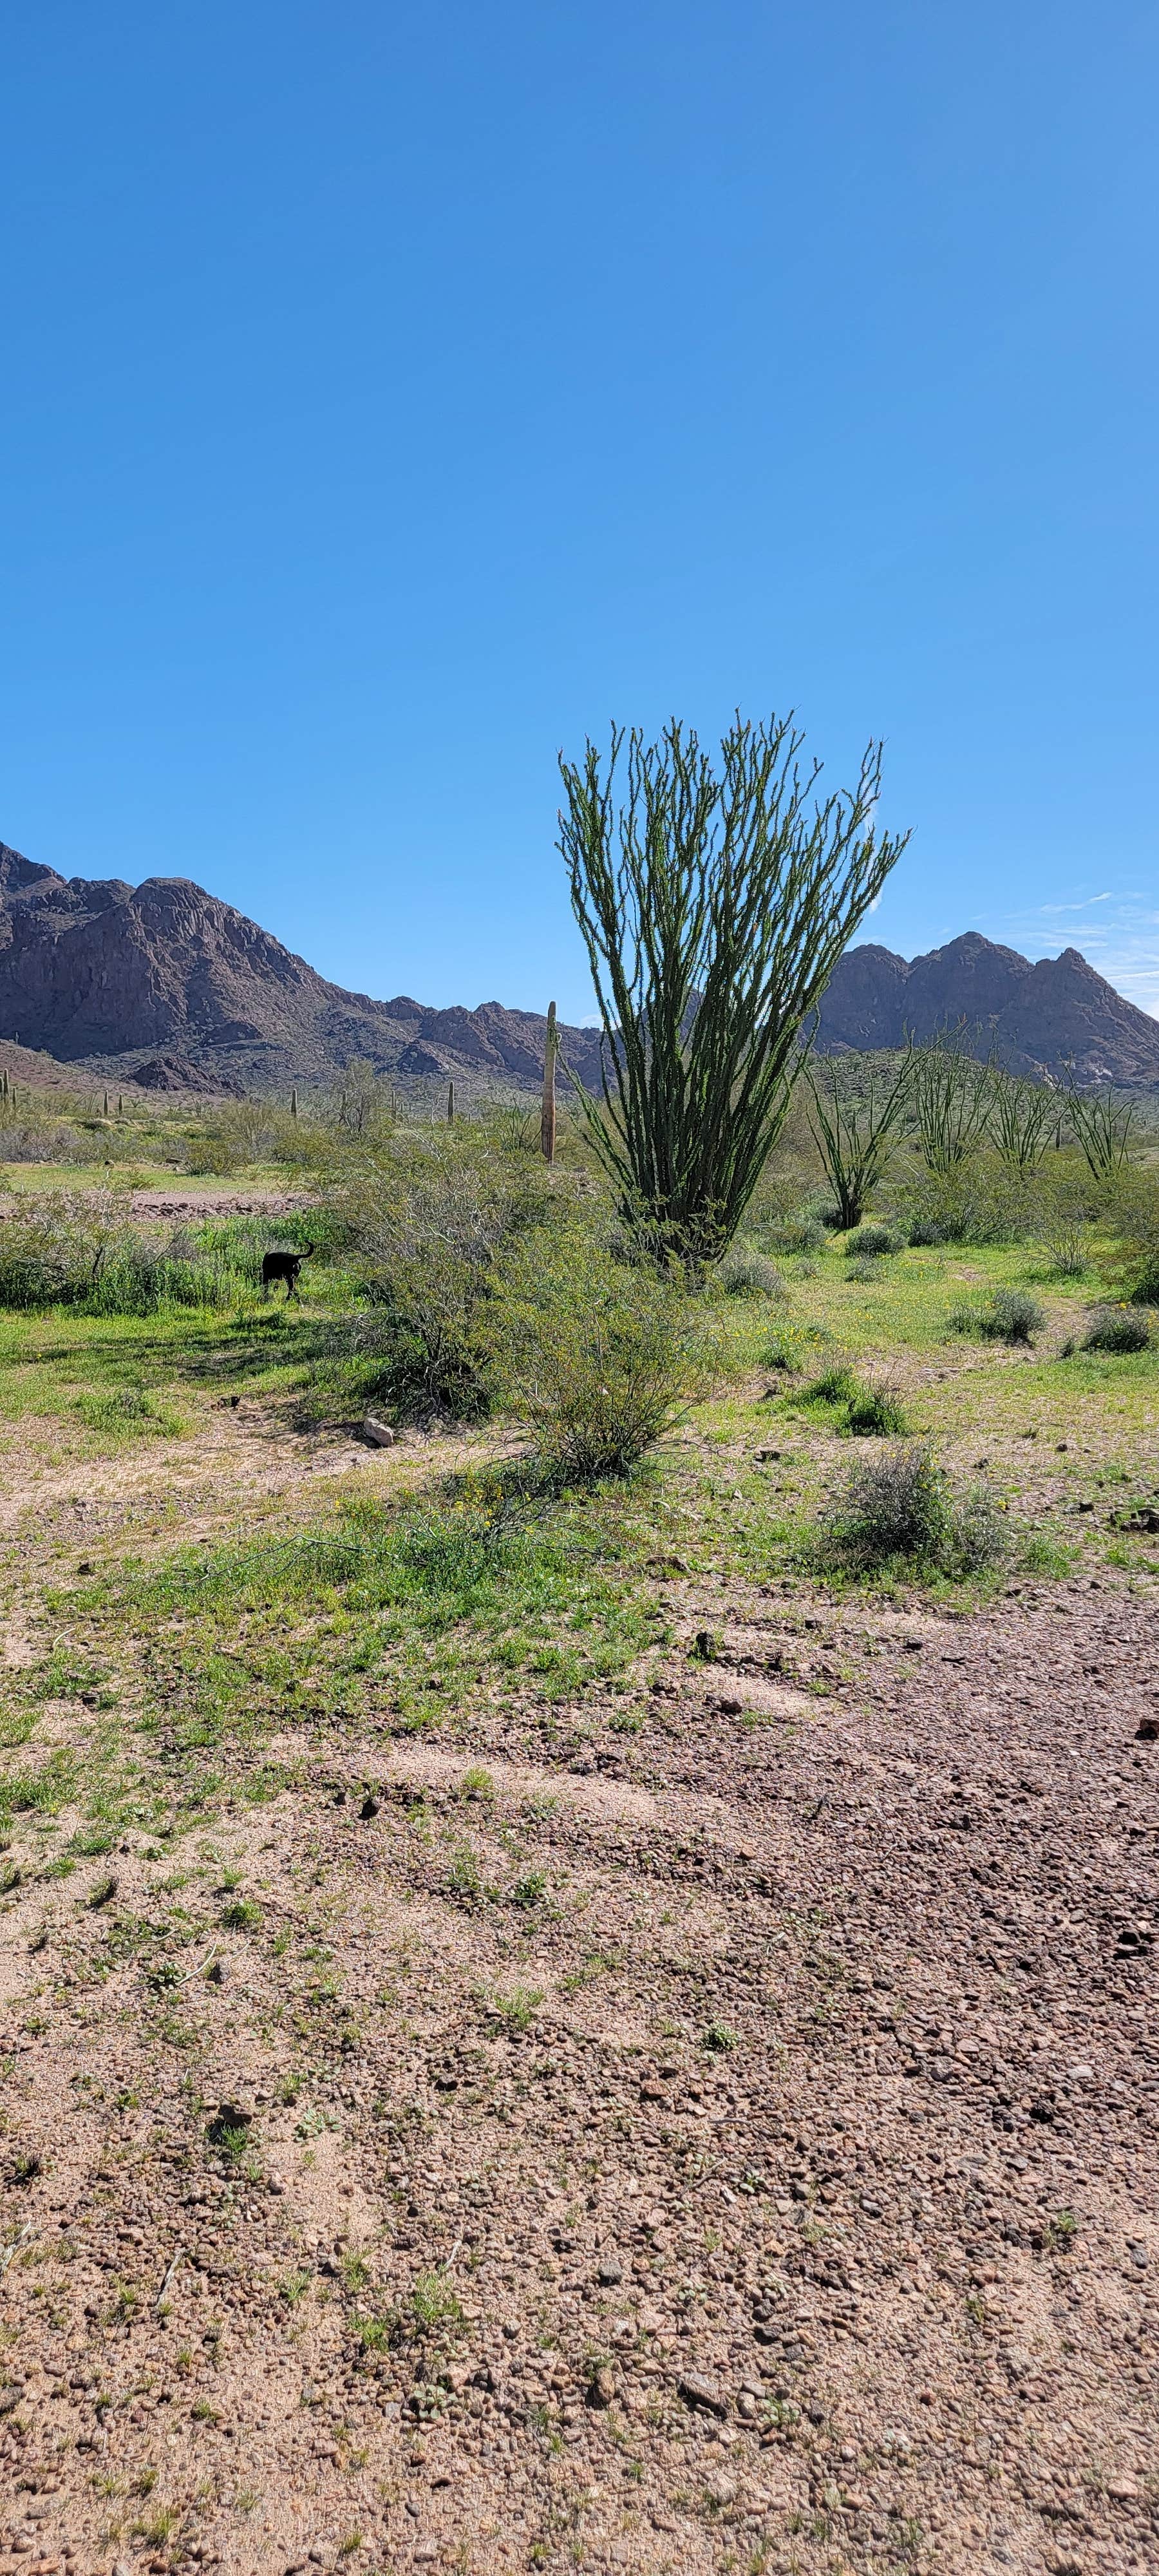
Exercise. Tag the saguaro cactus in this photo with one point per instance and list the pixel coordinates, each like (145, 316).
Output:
(450, 1104)
(547, 1113)
(294, 1101)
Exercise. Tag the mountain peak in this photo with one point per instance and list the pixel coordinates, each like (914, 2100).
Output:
(1040, 1018)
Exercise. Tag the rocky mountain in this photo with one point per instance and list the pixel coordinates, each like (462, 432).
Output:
(165, 985)
(1036, 1018)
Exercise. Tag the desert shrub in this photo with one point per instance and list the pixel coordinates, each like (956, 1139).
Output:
(77, 1249)
(430, 1223)
(782, 1352)
(981, 1200)
(1119, 1329)
(876, 1413)
(835, 1386)
(1011, 1315)
(597, 1357)
(1145, 1291)
(870, 1242)
(803, 1232)
(1067, 1248)
(745, 1272)
(900, 1509)
(928, 1229)
(865, 1411)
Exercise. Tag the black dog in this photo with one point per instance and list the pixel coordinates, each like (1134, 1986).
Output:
(283, 1265)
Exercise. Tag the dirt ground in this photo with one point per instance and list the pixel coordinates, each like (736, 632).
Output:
(770, 2185)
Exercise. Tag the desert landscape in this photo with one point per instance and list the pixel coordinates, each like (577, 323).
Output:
(574, 2019)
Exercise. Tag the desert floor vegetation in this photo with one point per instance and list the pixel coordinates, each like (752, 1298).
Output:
(578, 1977)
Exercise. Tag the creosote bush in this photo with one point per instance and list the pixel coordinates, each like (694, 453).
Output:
(899, 1510)
(598, 1357)
(1120, 1330)
(431, 1223)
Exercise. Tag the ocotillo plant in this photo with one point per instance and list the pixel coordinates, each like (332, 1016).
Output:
(1102, 1126)
(714, 908)
(950, 1097)
(1022, 1115)
(851, 1129)
(547, 1112)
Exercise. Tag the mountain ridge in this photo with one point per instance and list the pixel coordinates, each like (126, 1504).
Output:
(169, 986)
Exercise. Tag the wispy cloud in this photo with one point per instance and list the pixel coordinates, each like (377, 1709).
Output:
(1121, 942)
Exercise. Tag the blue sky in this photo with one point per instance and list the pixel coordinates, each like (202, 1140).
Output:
(393, 396)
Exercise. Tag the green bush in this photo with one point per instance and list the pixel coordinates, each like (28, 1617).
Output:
(899, 1510)
(835, 1386)
(745, 1272)
(1012, 1315)
(979, 1201)
(870, 1242)
(1145, 1291)
(597, 1357)
(432, 1222)
(801, 1233)
(80, 1249)
(867, 1412)
(876, 1413)
(1120, 1330)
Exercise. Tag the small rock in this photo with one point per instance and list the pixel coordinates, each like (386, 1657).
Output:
(721, 2489)
(696, 2390)
(1124, 2490)
(601, 2387)
(370, 1806)
(1147, 1730)
(381, 1435)
(610, 2273)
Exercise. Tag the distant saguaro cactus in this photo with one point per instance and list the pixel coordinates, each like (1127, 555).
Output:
(294, 1101)
(547, 1113)
(450, 1104)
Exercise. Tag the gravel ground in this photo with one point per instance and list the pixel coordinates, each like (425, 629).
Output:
(730, 2146)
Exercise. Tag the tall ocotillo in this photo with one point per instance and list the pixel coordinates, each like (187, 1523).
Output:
(547, 1113)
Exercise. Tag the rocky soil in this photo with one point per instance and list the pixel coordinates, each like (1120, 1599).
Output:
(730, 2146)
